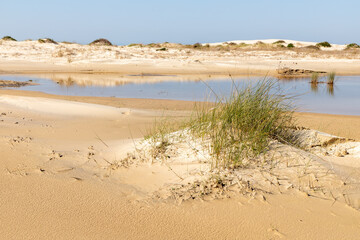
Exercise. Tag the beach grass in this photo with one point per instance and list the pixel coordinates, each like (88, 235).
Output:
(331, 78)
(242, 126)
(314, 78)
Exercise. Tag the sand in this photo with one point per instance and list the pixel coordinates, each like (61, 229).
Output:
(61, 178)
(32, 56)
(68, 169)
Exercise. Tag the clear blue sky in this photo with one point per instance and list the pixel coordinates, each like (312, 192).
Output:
(185, 21)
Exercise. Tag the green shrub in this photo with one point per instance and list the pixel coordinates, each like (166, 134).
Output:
(323, 44)
(279, 42)
(197, 45)
(290, 45)
(8, 38)
(352, 45)
(161, 49)
(101, 42)
(47, 40)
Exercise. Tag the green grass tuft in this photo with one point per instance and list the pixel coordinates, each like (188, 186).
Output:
(290, 45)
(331, 78)
(242, 127)
(314, 78)
(323, 44)
(8, 38)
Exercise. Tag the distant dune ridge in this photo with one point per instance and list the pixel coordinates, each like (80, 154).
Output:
(240, 57)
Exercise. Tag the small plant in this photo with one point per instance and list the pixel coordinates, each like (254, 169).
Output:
(47, 40)
(101, 42)
(135, 45)
(162, 49)
(290, 45)
(314, 78)
(323, 44)
(331, 78)
(197, 45)
(352, 45)
(279, 42)
(8, 38)
(312, 47)
(240, 129)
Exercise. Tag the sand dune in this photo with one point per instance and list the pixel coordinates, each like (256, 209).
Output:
(32, 56)
(72, 178)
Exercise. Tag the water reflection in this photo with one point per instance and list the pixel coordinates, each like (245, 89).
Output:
(320, 97)
(330, 89)
(314, 87)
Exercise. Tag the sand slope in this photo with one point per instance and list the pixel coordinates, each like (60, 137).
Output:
(60, 178)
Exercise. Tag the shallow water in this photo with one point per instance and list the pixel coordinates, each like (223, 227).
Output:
(343, 98)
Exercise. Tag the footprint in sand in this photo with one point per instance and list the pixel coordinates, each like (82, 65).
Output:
(276, 232)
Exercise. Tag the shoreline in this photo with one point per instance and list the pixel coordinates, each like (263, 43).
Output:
(257, 67)
(340, 125)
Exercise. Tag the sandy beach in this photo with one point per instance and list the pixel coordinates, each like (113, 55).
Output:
(76, 167)
(266, 58)
(59, 179)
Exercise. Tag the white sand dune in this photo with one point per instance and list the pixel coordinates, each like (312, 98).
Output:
(287, 41)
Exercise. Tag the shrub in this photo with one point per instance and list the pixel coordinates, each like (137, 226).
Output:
(323, 44)
(312, 47)
(135, 45)
(290, 45)
(47, 40)
(161, 49)
(197, 45)
(352, 45)
(279, 42)
(101, 42)
(8, 38)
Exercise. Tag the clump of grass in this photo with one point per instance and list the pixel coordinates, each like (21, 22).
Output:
(47, 40)
(241, 127)
(197, 45)
(323, 44)
(312, 47)
(314, 78)
(135, 45)
(331, 78)
(290, 45)
(101, 42)
(279, 42)
(162, 49)
(8, 38)
(352, 45)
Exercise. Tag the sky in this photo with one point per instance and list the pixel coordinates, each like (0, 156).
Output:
(185, 21)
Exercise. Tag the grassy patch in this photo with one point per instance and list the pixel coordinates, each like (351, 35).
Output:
(47, 40)
(352, 45)
(279, 42)
(323, 44)
(101, 42)
(236, 130)
(162, 49)
(331, 78)
(290, 45)
(8, 38)
(314, 78)
(242, 127)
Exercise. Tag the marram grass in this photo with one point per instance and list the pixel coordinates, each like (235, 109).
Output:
(239, 128)
(243, 126)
